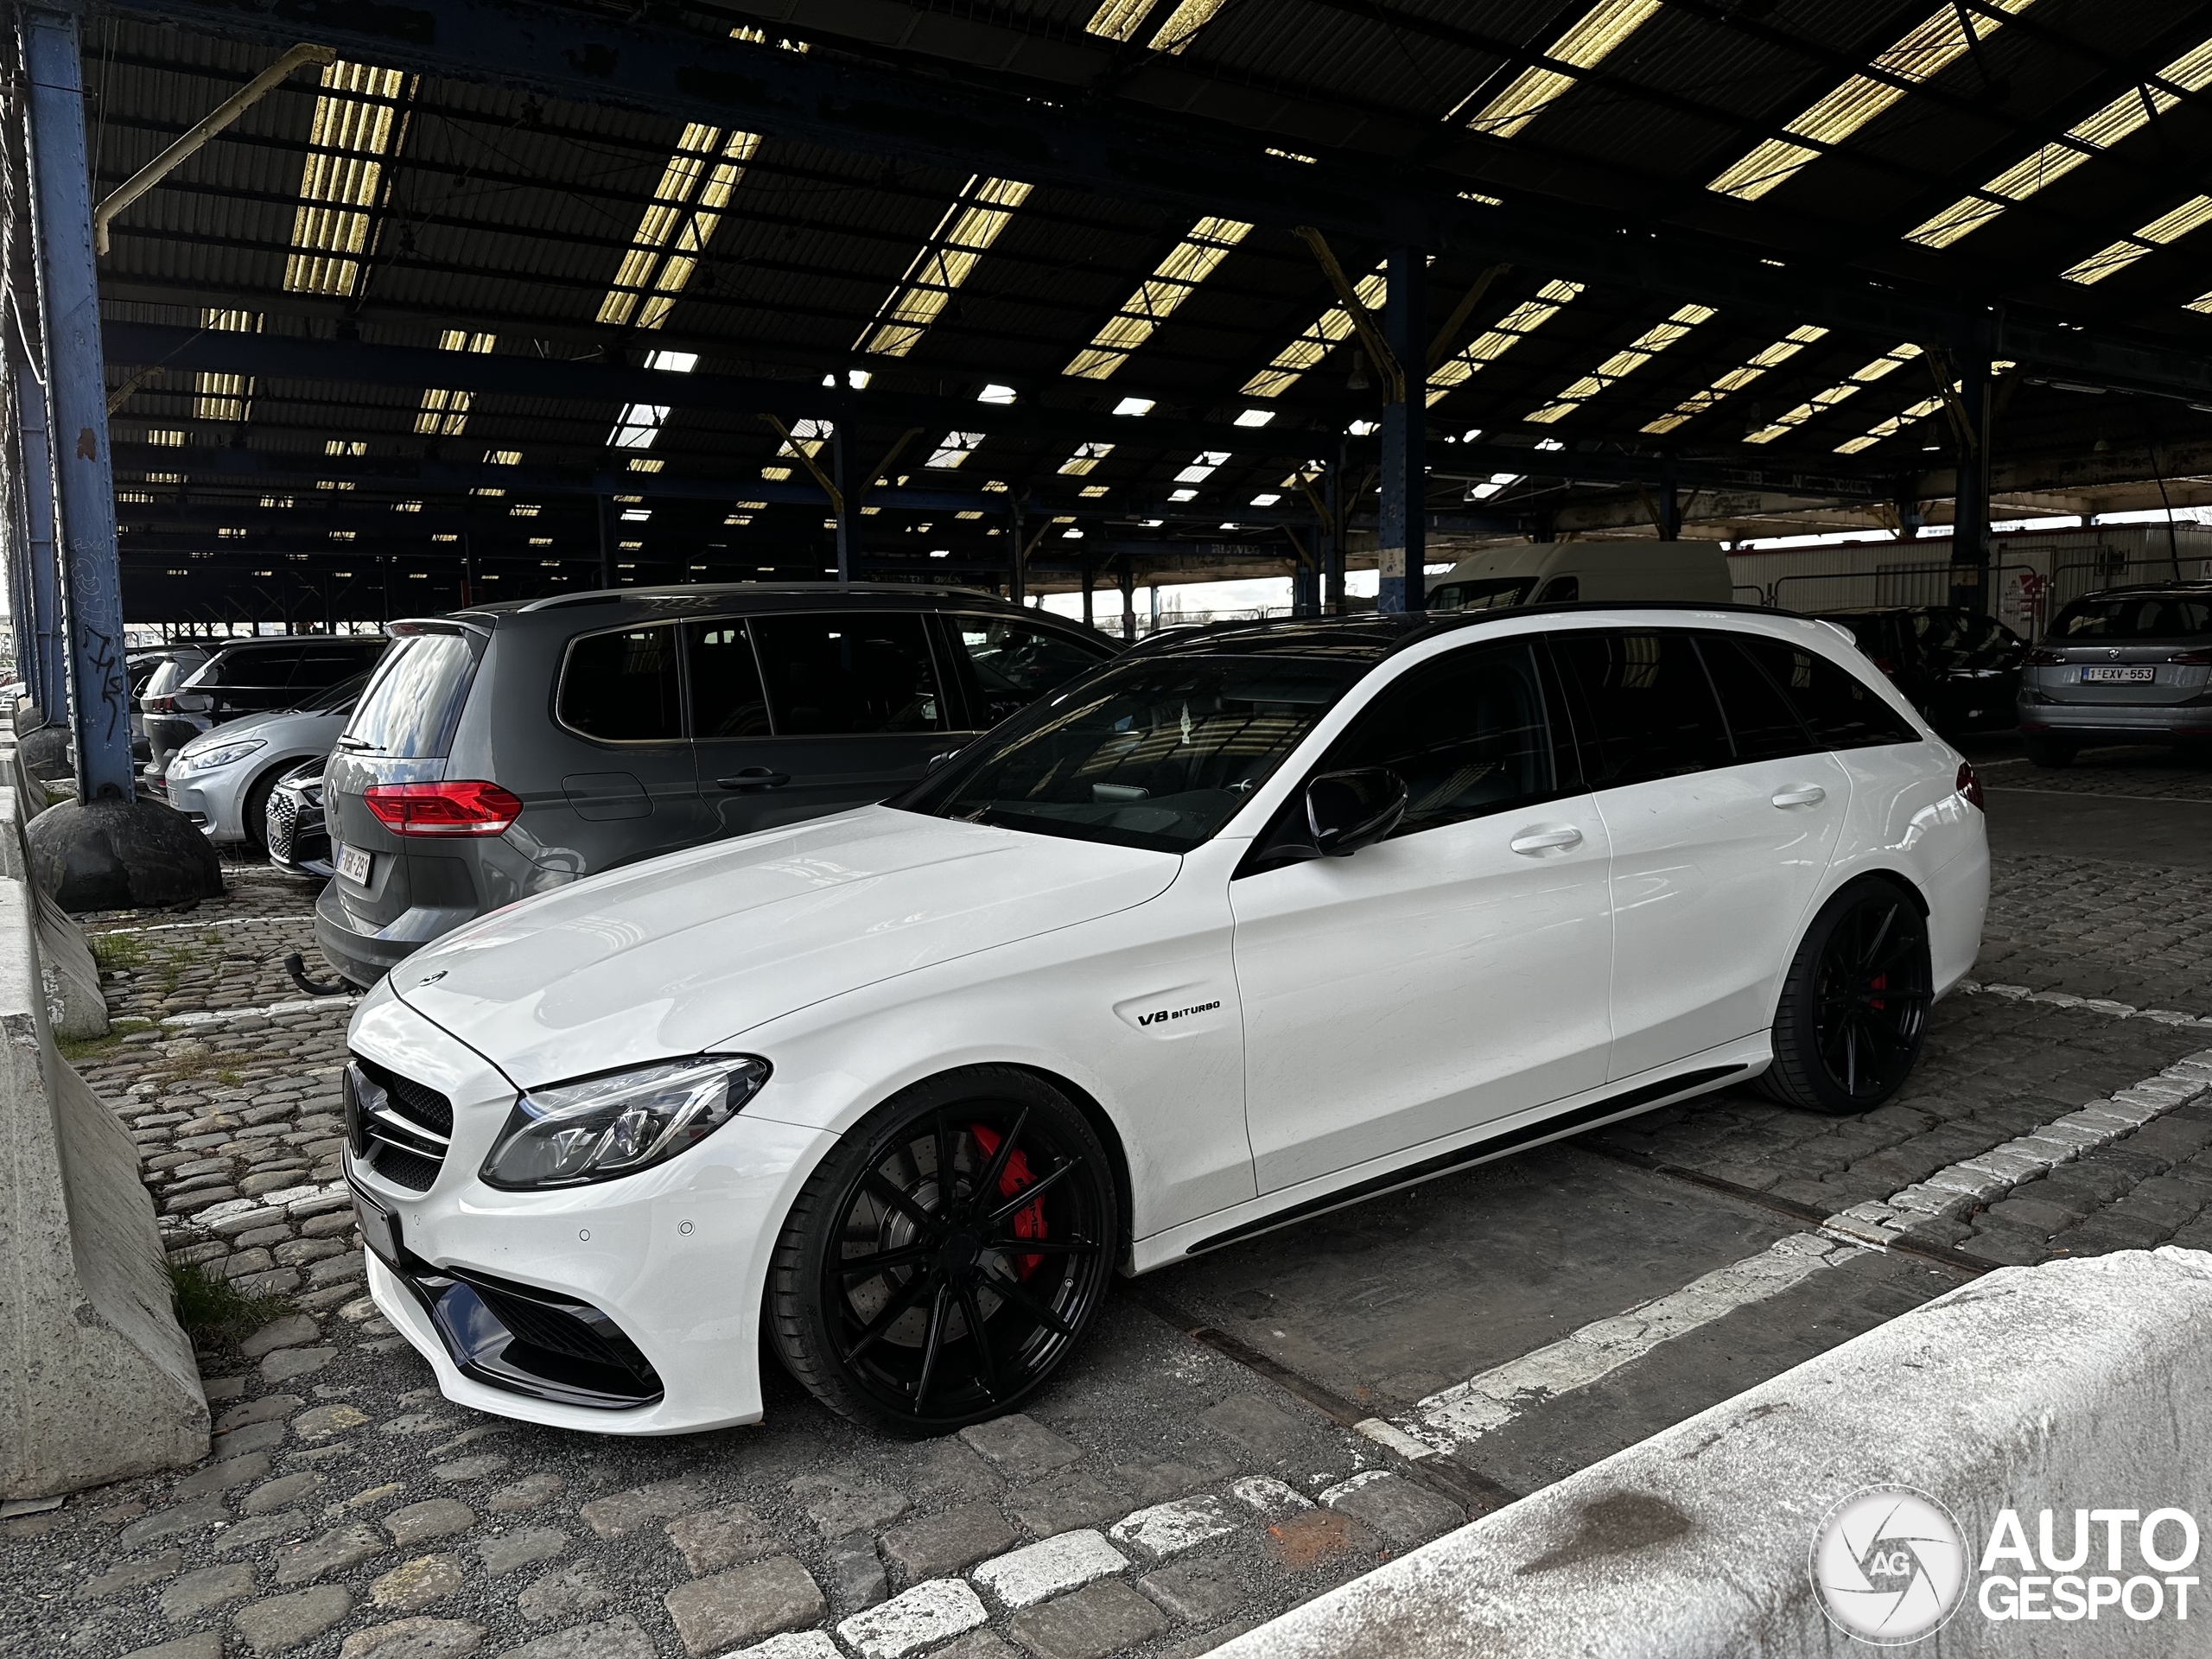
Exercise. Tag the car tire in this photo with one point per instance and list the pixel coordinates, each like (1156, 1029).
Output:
(254, 808)
(895, 1348)
(1854, 1005)
(2051, 751)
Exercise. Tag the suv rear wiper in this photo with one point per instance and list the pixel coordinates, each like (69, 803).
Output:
(356, 745)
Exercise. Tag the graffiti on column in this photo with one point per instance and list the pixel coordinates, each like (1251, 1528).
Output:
(101, 676)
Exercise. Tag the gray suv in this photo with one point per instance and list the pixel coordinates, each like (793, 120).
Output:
(2126, 666)
(510, 749)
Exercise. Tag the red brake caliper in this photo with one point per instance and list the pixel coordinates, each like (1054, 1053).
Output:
(1880, 983)
(1029, 1220)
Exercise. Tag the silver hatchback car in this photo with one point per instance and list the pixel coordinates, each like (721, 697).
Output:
(2126, 666)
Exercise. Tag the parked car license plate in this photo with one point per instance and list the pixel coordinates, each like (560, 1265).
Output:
(354, 864)
(379, 1228)
(2126, 676)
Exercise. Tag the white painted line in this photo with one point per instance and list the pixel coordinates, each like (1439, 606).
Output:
(1392, 1438)
(2095, 1004)
(300, 1005)
(1484, 1404)
(1035, 1572)
(194, 927)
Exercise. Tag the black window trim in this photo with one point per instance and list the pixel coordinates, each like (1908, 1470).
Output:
(682, 691)
(743, 620)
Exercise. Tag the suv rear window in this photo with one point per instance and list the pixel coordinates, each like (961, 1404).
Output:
(2135, 616)
(412, 706)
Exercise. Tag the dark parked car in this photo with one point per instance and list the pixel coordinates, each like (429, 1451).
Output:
(297, 839)
(2126, 666)
(250, 676)
(510, 749)
(1961, 668)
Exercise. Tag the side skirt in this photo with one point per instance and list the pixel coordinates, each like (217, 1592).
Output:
(1625, 1103)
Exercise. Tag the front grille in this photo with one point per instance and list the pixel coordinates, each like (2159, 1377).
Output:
(283, 819)
(398, 1126)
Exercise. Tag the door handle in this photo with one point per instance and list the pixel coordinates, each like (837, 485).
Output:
(755, 777)
(1544, 841)
(1808, 795)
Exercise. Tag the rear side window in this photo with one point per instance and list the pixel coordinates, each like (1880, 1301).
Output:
(1843, 711)
(726, 700)
(1561, 590)
(1468, 734)
(1761, 722)
(848, 674)
(267, 666)
(1012, 663)
(414, 702)
(327, 665)
(1649, 709)
(621, 687)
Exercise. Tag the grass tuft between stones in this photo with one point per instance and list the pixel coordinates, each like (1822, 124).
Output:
(213, 1311)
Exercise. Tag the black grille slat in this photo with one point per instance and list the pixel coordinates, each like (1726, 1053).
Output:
(549, 1328)
(405, 1168)
(411, 1099)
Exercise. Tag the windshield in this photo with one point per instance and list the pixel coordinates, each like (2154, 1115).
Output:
(414, 701)
(334, 700)
(2135, 616)
(1486, 594)
(1156, 753)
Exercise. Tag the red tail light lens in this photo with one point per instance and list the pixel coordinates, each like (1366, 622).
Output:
(2192, 658)
(465, 807)
(1970, 786)
(2039, 657)
(1886, 666)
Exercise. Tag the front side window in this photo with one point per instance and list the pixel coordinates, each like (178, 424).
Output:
(1648, 708)
(1156, 752)
(620, 687)
(726, 700)
(1842, 709)
(1012, 663)
(1468, 732)
(848, 673)
(414, 701)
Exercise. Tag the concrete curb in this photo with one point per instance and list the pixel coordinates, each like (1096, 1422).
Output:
(96, 1379)
(2078, 1384)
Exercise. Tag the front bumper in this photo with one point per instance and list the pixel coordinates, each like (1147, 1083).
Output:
(209, 801)
(675, 1259)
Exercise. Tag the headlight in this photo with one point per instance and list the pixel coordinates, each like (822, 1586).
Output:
(601, 1128)
(224, 755)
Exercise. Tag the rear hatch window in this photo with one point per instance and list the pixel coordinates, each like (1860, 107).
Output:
(412, 706)
(2134, 616)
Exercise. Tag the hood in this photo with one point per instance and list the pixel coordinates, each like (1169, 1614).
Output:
(282, 726)
(683, 953)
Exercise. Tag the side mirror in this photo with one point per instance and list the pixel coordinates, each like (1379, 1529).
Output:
(1347, 810)
(937, 761)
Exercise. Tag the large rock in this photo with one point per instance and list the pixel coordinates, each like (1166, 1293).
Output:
(120, 854)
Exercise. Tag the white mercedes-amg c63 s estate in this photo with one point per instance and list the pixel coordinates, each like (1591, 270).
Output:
(1248, 923)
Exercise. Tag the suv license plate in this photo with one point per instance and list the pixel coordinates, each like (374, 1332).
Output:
(2122, 676)
(379, 1228)
(354, 864)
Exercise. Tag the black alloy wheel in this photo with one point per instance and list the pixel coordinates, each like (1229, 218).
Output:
(1854, 1007)
(946, 1258)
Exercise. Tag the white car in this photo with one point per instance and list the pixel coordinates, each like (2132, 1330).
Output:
(224, 777)
(1244, 925)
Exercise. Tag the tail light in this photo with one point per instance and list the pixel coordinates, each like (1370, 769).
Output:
(2192, 658)
(2040, 657)
(464, 807)
(1886, 666)
(1970, 786)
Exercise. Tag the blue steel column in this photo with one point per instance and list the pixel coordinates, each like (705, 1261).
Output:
(62, 218)
(1402, 524)
(47, 671)
(852, 485)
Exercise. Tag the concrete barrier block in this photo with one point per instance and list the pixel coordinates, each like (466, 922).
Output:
(2077, 1385)
(75, 1005)
(97, 1380)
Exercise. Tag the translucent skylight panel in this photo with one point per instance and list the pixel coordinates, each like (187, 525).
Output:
(2167, 227)
(444, 413)
(672, 233)
(1926, 52)
(1850, 386)
(2127, 114)
(953, 448)
(1086, 456)
(1622, 363)
(1737, 378)
(224, 398)
(1586, 44)
(1314, 344)
(1187, 264)
(1494, 342)
(974, 221)
(356, 122)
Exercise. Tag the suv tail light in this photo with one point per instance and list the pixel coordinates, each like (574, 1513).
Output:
(1886, 666)
(1970, 786)
(2042, 656)
(2192, 658)
(464, 807)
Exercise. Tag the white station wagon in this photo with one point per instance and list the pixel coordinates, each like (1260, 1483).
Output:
(1244, 925)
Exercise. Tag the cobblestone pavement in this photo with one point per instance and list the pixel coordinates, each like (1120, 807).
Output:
(1160, 1497)
(2119, 772)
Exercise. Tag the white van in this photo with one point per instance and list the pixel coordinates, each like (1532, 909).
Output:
(1561, 573)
